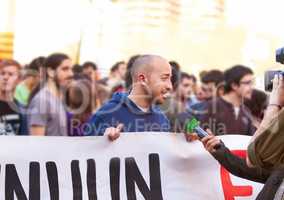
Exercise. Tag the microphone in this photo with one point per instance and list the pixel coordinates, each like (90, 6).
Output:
(193, 127)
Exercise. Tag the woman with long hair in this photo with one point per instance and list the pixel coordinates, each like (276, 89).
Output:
(81, 102)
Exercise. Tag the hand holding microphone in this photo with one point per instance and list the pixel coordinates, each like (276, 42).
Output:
(210, 142)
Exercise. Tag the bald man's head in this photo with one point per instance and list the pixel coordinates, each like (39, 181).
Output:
(146, 65)
(152, 75)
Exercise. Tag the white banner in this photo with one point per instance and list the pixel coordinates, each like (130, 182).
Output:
(136, 166)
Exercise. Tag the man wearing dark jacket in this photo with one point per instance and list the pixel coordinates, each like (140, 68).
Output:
(137, 111)
(272, 189)
(212, 84)
(227, 114)
(121, 110)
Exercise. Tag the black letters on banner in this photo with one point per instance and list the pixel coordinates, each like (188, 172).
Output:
(76, 180)
(14, 187)
(13, 183)
(34, 192)
(114, 173)
(91, 179)
(52, 176)
(133, 175)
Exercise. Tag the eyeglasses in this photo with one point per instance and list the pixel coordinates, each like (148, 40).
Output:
(250, 82)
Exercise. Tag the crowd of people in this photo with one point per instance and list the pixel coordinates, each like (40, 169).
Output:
(53, 97)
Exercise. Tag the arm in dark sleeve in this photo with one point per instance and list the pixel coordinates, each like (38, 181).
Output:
(23, 125)
(271, 189)
(238, 167)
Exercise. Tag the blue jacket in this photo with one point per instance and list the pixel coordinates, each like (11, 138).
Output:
(120, 109)
(199, 110)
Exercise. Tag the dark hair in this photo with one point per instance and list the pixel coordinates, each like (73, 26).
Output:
(176, 74)
(90, 64)
(53, 61)
(234, 75)
(33, 68)
(175, 77)
(213, 76)
(115, 67)
(86, 82)
(78, 101)
(128, 79)
(36, 63)
(77, 69)
(175, 65)
(184, 75)
(258, 103)
(202, 74)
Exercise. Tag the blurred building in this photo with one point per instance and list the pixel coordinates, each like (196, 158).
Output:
(199, 34)
(149, 15)
(205, 15)
(172, 28)
(7, 14)
(147, 25)
(120, 28)
(6, 45)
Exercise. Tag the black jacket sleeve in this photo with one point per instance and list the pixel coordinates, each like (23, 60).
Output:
(238, 167)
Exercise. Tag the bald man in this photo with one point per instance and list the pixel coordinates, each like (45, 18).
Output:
(138, 110)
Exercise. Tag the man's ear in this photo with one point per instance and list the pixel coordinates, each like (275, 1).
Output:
(50, 73)
(142, 79)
